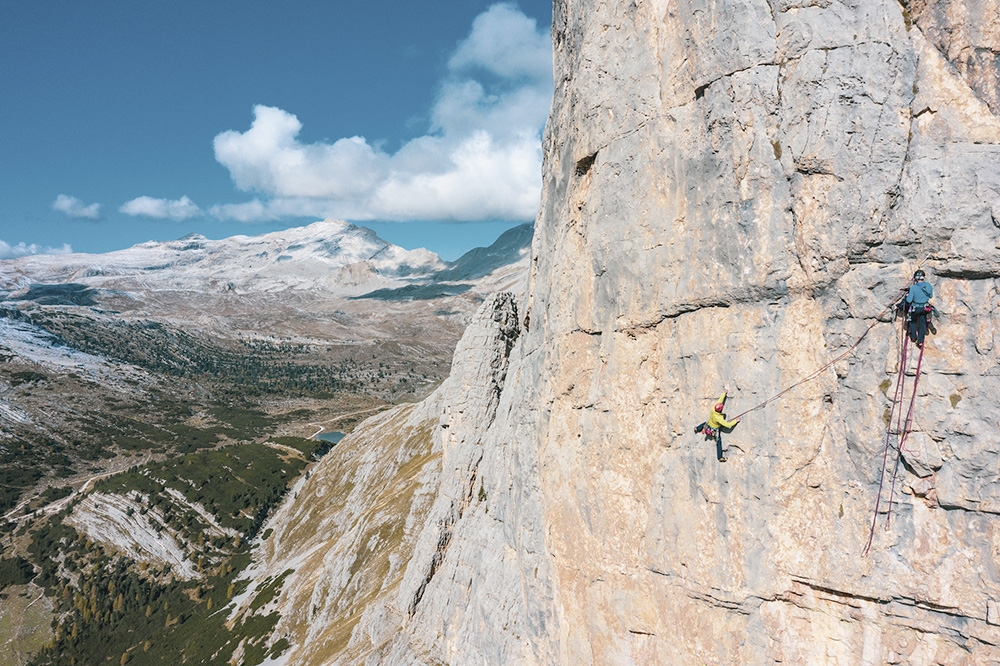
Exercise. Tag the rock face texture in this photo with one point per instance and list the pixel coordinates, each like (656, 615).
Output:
(734, 191)
(968, 35)
(368, 537)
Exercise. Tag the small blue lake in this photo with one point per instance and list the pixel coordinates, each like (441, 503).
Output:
(331, 436)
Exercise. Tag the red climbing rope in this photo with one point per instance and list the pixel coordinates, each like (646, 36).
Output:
(902, 429)
(903, 425)
(907, 426)
(813, 375)
(896, 400)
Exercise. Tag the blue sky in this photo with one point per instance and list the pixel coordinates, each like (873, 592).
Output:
(124, 122)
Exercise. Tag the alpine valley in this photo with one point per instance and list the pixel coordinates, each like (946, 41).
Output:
(157, 402)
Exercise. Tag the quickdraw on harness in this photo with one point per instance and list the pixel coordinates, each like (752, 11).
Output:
(707, 432)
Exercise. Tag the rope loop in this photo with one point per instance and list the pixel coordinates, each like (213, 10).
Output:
(816, 373)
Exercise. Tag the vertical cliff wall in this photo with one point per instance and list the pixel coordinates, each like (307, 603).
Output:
(733, 191)
(739, 188)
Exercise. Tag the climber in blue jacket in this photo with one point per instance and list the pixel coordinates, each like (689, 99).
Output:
(917, 306)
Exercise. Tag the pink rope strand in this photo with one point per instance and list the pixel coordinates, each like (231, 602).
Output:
(816, 373)
(907, 426)
(893, 412)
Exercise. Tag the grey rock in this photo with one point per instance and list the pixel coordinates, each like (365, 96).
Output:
(968, 34)
(922, 454)
(733, 193)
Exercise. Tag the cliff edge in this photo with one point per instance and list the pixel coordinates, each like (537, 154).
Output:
(733, 193)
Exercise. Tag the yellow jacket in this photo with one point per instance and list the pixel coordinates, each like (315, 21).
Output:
(717, 420)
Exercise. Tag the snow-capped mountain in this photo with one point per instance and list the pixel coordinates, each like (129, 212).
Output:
(330, 254)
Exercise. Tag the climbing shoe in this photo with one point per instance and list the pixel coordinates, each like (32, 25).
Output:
(723, 459)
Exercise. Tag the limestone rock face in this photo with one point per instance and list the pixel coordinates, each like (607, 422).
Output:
(734, 192)
(968, 35)
(733, 197)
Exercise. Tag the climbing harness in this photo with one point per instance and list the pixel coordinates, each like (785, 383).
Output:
(901, 430)
(706, 431)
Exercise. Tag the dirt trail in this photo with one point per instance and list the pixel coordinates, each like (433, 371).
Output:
(318, 424)
(60, 504)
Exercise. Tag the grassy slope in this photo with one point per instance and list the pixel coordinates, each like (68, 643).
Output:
(351, 533)
(110, 606)
(194, 401)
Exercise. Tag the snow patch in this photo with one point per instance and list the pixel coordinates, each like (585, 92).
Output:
(11, 414)
(29, 342)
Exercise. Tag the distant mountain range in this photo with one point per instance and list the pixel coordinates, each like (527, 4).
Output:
(476, 264)
(315, 285)
(338, 257)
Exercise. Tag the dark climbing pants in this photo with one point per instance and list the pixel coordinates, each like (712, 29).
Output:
(918, 325)
(718, 438)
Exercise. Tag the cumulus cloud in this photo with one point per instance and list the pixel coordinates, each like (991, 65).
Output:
(162, 209)
(73, 207)
(268, 158)
(480, 159)
(507, 43)
(8, 251)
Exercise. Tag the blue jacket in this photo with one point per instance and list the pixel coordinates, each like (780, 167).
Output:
(919, 294)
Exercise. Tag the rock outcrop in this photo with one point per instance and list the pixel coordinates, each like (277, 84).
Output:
(368, 536)
(733, 192)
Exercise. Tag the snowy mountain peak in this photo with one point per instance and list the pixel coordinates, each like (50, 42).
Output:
(193, 236)
(303, 257)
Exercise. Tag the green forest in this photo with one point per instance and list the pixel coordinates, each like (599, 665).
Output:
(114, 609)
(199, 429)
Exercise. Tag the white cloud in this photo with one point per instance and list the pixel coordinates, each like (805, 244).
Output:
(268, 158)
(281, 207)
(487, 180)
(73, 207)
(480, 160)
(507, 43)
(8, 251)
(161, 209)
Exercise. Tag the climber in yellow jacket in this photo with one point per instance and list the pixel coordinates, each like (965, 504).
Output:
(712, 428)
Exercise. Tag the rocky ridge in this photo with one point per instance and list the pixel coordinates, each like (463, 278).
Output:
(732, 193)
(404, 482)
